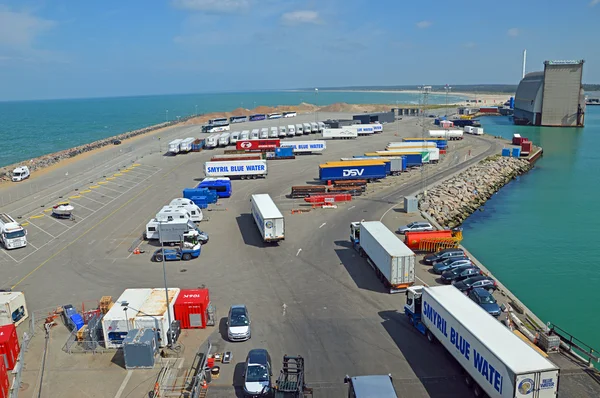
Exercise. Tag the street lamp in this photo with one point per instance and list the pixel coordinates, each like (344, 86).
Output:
(317, 104)
(166, 115)
(162, 250)
(126, 306)
(447, 88)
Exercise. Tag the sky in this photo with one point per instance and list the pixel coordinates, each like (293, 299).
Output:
(71, 48)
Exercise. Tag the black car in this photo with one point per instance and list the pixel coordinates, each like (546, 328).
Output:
(486, 301)
(442, 255)
(477, 281)
(257, 374)
(116, 142)
(460, 273)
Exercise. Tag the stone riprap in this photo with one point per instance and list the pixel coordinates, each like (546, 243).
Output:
(53, 158)
(451, 202)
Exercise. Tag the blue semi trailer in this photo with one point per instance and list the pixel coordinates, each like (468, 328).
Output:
(352, 172)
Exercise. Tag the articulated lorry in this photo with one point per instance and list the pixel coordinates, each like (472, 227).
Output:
(236, 169)
(390, 258)
(341, 133)
(12, 234)
(497, 362)
(268, 218)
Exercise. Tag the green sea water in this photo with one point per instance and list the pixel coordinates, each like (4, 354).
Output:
(540, 234)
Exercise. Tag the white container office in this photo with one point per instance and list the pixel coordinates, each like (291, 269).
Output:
(13, 308)
(117, 322)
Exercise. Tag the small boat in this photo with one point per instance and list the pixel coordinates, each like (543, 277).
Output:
(62, 210)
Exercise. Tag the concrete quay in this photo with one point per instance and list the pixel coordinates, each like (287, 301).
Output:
(336, 312)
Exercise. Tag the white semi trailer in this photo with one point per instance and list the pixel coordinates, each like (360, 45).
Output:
(268, 218)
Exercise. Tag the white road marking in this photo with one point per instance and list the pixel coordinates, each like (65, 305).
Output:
(80, 205)
(124, 384)
(299, 250)
(424, 283)
(93, 200)
(322, 225)
(43, 230)
(31, 244)
(351, 207)
(284, 307)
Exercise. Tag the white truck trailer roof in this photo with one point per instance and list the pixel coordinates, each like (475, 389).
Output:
(387, 239)
(267, 207)
(514, 353)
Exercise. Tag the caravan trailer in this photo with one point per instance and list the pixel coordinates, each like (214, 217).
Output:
(291, 130)
(224, 139)
(186, 145)
(244, 135)
(306, 128)
(254, 134)
(282, 131)
(235, 137)
(299, 129)
(174, 146)
(274, 132)
(212, 141)
(264, 133)
(314, 128)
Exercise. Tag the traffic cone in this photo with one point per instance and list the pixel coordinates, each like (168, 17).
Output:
(136, 251)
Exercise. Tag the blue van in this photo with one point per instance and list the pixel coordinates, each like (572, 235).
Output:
(221, 185)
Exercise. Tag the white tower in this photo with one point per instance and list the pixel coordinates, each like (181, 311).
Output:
(524, 62)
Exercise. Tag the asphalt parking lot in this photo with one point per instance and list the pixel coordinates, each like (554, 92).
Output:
(311, 295)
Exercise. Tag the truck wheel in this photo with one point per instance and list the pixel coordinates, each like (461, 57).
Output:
(477, 391)
(186, 257)
(158, 258)
(430, 337)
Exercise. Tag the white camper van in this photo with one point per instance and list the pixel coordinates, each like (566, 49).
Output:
(212, 140)
(254, 134)
(224, 139)
(20, 173)
(274, 132)
(282, 131)
(306, 128)
(186, 144)
(187, 204)
(174, 146)
(299, 129)
(235, 137)
(314, 128)
(264, 133)
(244, 135)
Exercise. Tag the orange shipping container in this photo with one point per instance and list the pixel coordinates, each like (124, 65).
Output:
(412, 239)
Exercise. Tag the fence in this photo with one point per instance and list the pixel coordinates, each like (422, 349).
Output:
(575, 345)
(16, 372)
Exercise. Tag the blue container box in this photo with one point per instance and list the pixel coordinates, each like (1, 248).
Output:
(77, 320)
(516, 152)
(506, 152)
(284, 152)
(371, 172)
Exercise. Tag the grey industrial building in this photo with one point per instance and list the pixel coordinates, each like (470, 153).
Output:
(378, 117)
(554, 97)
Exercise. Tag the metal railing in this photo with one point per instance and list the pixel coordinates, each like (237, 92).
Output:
(575, 345)
(18, 369)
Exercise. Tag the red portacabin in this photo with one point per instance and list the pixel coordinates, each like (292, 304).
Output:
(9, 345)
(191, 308)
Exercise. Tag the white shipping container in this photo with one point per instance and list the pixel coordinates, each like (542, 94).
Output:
(362, 129)
(268, 218)
(388, 254)
(377, 127)
(468, 129)
(423, 144)
(341, 133)
(305, 146)
(13, 309)
(186, 144)
(453, 134)
(477, 130)
(236, 168)
(116, 323)
(153, 313)
(498, 361)
(174, 146)
(434, 153)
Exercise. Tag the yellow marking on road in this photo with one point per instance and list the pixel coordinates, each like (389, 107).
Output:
(118, 175)
(102, 182)
(37, 216)
(86, 191)
(110, 178)
(135, 165)
(24, 224)
(91, 229)
(95, 186)
(125, 171)
(47, 210)
(75, 196)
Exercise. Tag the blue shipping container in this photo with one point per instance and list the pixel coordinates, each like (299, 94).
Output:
(516, 152)
(413, 159)
(370, 172)
(392, 163)
(436, 122)
(284, 152)
(506, 152)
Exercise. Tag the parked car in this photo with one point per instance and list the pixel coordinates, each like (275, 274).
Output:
(450, 264)
(443, 255)
(415, 226)
(453, 275)
(257, 373)
(485, 301)
(176, 254)
(116, 142)
(477, 281)
(238, 323)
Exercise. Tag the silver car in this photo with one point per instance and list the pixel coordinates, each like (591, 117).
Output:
(416, 226)
(238, 323)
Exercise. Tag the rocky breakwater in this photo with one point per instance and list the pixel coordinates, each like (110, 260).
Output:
(451, 202)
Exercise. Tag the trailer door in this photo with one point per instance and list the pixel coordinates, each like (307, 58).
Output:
(537, 385)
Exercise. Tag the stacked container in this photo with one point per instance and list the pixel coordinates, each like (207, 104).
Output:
(4, 383)
(9, 346)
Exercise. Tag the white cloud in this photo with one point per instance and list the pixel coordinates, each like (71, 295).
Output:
(301, 17)
(20, 29)
(424, 24)
(217, 6)
(594, 2)
(513, 32)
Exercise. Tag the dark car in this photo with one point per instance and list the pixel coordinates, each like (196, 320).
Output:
(442, 255)
(257, 374)
(477, 281)
(450, 264)
(116, 142)
(448, 255)
(485, 301)
(451, 275)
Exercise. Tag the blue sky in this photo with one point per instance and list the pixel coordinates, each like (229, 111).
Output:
(69, 48)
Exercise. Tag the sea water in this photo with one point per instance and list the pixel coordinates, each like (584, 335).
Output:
(35, 128)
(539, 235)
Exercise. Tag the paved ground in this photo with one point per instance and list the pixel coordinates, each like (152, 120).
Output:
(311, 295)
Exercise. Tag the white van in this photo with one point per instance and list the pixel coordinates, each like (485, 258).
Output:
(254, 134)
(306, 129)
(322, 127)
(299, 129)
(274, 132)
(224, 139)
(314, 128)
(291, 130)
(235, 137)
(245, 135)
(264, 133)
(20, 173)
(212, 141)
(282, 131)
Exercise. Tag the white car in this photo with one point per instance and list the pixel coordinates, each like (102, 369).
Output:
(416, 226)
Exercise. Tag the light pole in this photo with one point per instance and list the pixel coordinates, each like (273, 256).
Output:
(317, 104)
(167, 115)
(397, 121)
(162, 251)
(447, 88)
(126, 317)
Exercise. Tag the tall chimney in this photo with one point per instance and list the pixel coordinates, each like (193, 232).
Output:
(524, 62)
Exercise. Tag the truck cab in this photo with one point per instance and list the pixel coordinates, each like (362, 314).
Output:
(12, 234)
(355, 234)
(379, 386)
(20, 173)
(412, 308)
